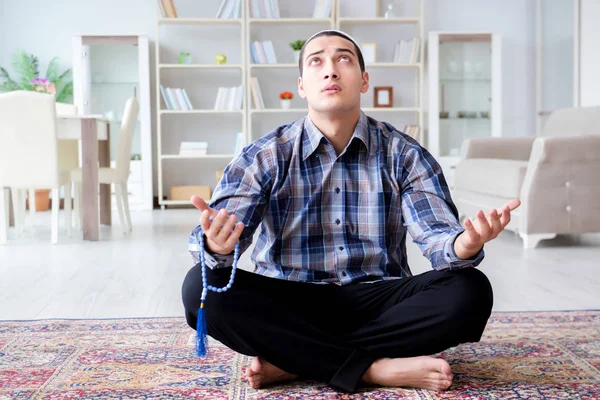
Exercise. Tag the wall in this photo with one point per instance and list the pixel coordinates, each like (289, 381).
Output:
(514, 20)
(45, 29)
(590, 53)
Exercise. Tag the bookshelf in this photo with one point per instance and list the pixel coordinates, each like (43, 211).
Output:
(193, 31)
(276, 24)
(367, 23)
(295, 22)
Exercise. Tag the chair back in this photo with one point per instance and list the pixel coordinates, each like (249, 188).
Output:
(68, 149)
(28, 145)
(128, 126)
(573, 122)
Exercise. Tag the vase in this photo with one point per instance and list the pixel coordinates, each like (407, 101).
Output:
(286, 104)
(297, 56)
(42, 199)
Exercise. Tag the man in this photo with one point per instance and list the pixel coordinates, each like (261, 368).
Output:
(331, 297)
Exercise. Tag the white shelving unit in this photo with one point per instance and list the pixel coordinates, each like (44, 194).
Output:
(201, 79)
(295, 23)
(370, 25)
(465, 83)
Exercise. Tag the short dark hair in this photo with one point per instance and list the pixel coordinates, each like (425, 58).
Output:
(361, 60)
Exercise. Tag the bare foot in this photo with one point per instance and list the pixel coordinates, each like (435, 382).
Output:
(261, 373)
(418, 372)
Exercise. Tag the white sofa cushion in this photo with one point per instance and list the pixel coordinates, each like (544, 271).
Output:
(491, 176)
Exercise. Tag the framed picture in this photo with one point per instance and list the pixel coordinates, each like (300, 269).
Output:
(384, 96)
(369, 51)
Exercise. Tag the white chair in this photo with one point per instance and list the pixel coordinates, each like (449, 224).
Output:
(68, 154)
(118, 175)
(29, 156)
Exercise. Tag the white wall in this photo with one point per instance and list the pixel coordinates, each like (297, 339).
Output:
(590, 53)
(45, 29)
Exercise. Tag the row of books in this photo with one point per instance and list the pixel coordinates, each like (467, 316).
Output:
(230, 9)
(322, 8)
(264, 9)
(229, 98)
(175, 98)
(407, 51)
(201, 148)
(263, 52)
(412, 131)
(256, 94)
(193, 148)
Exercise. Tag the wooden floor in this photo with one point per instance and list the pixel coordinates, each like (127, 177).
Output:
(140, 274)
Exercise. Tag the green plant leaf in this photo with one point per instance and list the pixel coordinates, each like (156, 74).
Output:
(52, 72)
(26, 66)
(65, 94)
(9, 85)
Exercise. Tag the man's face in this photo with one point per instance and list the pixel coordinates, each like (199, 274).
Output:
(331, 79)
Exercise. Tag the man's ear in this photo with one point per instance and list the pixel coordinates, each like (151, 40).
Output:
(301, 88)
(365, 83)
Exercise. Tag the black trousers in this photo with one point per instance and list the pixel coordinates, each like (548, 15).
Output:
(334, 333)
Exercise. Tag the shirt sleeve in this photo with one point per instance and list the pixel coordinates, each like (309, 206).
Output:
(243, 191)
(428, 212)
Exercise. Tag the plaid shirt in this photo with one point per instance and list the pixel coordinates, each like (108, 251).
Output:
(338, 218)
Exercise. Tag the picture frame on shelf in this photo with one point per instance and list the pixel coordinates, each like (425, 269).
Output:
(383, 97)
(369, 52)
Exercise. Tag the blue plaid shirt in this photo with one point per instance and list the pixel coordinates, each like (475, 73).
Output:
(335, 218)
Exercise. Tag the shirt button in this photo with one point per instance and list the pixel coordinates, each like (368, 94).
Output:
(567, 183)
(337, 190)
(568, 208)
(341, 248)
(337, 221)
(344, 273)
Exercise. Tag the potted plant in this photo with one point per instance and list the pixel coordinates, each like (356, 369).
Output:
(286, 99)
(27, 66)
(297, 46)
(58, 84)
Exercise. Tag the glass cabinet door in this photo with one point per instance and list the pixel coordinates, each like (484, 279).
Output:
(111, 77)
(465, 85)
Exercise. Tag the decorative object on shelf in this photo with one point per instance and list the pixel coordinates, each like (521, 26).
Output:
(136, 157)
(472, 114)
(461, 114)
(297, 46)
(484, 114)
(443, 113)
(384, 96)
(185, 58)
(286, 99)
(27, 65)
(369, 51)
(184, 192)
(389, 9)
(220, 58)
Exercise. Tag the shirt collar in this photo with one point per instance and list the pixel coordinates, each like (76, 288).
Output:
(312, 136)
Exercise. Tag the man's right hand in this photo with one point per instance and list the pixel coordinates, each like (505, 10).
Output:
(222, 233)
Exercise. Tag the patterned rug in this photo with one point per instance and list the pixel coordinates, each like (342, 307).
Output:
(548, 355)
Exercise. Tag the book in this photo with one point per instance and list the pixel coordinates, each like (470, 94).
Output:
(161, 9)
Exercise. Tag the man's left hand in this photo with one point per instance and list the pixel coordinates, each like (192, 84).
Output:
(484, 228)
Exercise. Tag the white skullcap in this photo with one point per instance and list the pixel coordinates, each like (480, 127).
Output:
(343, 34)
